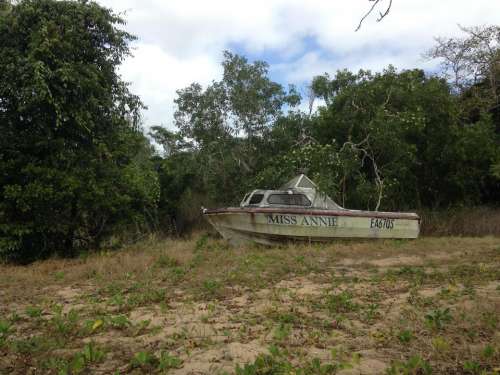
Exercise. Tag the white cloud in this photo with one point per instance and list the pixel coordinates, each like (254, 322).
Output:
(181, 41)
(155, 76)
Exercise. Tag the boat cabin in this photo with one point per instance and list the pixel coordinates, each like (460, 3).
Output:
(300, 192)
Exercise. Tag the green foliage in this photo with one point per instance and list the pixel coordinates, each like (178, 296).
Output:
(144, 359)
(405, 336)
(75, 166)
(5, 330)
(92, 353)
(65, 324)
(34, 311)
(276, 363)
(414, 365)
(341, 303)
(168, 361)
(119, 322)
(390, 140)
(211, 287)
(438, 318)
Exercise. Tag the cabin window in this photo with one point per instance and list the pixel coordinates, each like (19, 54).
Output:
(289, 199)
(256, 198)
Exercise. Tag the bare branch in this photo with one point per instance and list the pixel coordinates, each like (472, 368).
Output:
(367, 152)
(381, 14)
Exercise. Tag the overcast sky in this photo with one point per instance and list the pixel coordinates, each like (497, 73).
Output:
(181, 41)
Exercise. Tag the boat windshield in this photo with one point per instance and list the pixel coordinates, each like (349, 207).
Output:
(289, 199)
(256, 198)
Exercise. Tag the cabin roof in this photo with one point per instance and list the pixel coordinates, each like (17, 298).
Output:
(300, 181)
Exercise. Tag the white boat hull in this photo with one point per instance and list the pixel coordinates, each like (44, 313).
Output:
(270, 226)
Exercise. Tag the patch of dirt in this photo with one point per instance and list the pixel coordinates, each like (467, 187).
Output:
(397, 261)
(69, 293)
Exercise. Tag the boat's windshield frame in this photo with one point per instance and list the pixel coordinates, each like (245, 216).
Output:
(266, 194)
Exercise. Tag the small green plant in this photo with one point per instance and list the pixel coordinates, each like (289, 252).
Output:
(164, 261)
(34, 311)
(282, 331)
(488, 352)
(472, 367)
(440, 344)
(59, 276)
(120, 322)
(117, 300)
(438, 318)
(277, 363)
(167, 362)
(92, 353)
(201, 243)
(5, 329)
(341, 303)
(371, 312)
(144, 359)
(65, 324)
(414, 365)
(405, 336)
(211, 287)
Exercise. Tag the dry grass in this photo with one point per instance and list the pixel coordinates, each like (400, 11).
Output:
(472, 221)
(198, 306)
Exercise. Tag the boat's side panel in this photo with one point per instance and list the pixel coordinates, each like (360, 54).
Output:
(269, 227)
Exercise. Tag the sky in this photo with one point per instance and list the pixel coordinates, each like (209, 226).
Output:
(181, 41)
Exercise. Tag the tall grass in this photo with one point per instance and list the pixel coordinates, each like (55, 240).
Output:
(466, 221)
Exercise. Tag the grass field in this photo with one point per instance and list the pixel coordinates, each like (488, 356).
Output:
(200, 307)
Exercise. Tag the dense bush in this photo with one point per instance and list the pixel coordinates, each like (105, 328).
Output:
(74, 165)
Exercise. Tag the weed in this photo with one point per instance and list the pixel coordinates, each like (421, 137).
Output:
(371, 312)
(58, 364)
(472, 367)
(440, 345)
(201, 243)
(277, 363)
(5, 329)
(34, 311)
(490, 320)
(144, 359)
(405, 336)
(177, 273)
(167, 361)
(32, 345)
(117, 300)
(164, 261)
(488, 352)
(65, 324)
(119, 322)
(211, 287)
(437, 319)
(414, 365)
(92, 353)
(282, 331)
(341, 303)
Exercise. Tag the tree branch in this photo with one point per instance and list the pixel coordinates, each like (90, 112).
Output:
(381, 14)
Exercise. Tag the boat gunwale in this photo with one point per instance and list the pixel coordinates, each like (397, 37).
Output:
(313, 211)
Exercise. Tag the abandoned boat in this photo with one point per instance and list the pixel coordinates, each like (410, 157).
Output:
(299, 211)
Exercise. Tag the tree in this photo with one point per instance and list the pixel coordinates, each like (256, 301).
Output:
(74, 163)
(405, 128)
(228, 123)
(472, 64)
